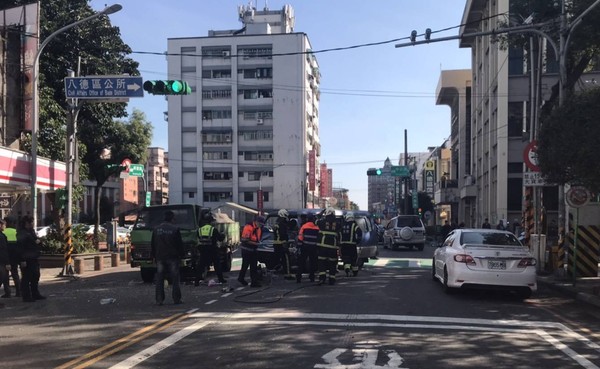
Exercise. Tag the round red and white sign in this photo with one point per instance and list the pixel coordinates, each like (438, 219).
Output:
(126, 163)
(530, 156)
(578, 196)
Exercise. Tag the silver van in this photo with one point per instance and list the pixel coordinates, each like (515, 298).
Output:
(404, 230)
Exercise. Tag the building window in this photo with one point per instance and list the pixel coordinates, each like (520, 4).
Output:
(216, 138)
(515, 189)
(191, 195)
(515, 118)
(216, 94)
(216, 155)
(216, 114)
(248, 196)
(216, 73)
(265, 196)
(257, 135)
(515, 61)
(254, 176)
(253, 155)
(257, 94)
(217, 176)
(256, 52)
(515, 167)
(216, 196)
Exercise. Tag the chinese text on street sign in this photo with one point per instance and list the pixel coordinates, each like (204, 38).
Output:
(103, 87)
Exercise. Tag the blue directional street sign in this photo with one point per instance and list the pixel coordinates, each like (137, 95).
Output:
(103, 87)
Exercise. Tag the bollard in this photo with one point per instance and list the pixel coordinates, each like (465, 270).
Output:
(114, 259)
(127, 254)
(98, 262)
(79, 266)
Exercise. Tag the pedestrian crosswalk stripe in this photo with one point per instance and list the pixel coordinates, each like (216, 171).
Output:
(380, 262)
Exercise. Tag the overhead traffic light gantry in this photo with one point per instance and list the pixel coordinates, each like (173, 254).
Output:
(167, 87)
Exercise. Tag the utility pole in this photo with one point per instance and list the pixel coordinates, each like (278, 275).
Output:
(406, 179)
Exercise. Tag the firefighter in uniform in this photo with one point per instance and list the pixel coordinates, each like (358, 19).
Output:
(251, 236)
(209, 237)
(327, 246)
(351, 235)
(281, 243)
(307, 244)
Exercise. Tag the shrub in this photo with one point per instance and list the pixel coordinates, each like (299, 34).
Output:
(54, 242)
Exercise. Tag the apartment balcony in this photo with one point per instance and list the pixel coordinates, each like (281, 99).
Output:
(446, 192)
(468, 188)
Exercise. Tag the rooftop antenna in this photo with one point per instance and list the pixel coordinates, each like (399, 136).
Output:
(266, 5)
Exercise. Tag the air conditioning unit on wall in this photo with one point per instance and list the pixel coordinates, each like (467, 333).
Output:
(260, 121)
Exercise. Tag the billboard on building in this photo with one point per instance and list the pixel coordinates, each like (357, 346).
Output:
(25, 19)
(312, 170)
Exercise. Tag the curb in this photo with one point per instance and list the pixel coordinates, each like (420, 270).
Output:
(572, 292)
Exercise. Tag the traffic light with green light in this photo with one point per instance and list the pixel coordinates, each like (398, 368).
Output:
(374, 172)
(167, 87)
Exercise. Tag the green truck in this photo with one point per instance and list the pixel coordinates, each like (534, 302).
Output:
(188, 218)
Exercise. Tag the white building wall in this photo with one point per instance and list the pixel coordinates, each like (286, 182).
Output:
(292, 98)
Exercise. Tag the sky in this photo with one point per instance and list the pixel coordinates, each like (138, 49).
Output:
(369, 94)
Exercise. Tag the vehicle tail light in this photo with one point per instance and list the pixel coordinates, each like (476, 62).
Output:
(464, 258)
(525, 262)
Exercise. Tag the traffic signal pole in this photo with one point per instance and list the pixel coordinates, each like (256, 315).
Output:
(406, 179)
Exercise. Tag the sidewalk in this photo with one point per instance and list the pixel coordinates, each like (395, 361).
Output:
(585, 290)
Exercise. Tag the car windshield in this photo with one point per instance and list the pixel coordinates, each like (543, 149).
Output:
(489, 238)
(152, 217)
(409, 222)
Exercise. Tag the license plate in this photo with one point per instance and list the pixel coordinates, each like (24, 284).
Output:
(496, 264)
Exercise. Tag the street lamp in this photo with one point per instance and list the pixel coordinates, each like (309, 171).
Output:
(34, 99)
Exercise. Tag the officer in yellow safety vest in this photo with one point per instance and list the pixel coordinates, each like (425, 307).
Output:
(11, 235)
(209, 237)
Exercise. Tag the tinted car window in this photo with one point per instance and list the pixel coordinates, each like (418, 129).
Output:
(489, 238)
(152, 217)
(409, 222)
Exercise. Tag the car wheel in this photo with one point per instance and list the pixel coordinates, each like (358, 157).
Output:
(447, 289)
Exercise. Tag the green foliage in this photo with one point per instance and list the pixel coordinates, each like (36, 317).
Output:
(54, 242)
(568, 142)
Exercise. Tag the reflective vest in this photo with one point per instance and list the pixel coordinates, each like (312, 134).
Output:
(349, 234)
(11, 234)
(205, 234)
(328, 235)
(308, 234)
(251, 235)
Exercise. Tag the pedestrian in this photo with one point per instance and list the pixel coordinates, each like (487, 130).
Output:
(328, 246)
(281, 243)
(500, 225)
(167, 252)
(4, 261)
(251, 236)
(516, 227)
(486, 224)
(11, 235)
(445, 230)
(28, 245)
(307, 245)
(350, 237)
(210, 237)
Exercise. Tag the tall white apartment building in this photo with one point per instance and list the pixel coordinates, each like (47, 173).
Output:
(251, 123)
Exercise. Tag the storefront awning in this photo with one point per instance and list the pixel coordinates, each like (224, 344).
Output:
(15, 171)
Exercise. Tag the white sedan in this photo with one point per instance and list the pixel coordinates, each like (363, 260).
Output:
(484, 258)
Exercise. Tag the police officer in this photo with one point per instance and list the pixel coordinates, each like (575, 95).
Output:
(11, 235)
(281, 243)
(351, 235)
(28, 245)
(328, 245)
(307, 245)
(167, 251)
(4, 261)
(209, 237)
(251, 236)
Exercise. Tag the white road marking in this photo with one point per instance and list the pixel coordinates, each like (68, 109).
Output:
(158, 347)
(521, 328)
(210, 302)
(226, 294)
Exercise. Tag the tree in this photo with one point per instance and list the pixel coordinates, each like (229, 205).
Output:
(568, 142)
(111, 142)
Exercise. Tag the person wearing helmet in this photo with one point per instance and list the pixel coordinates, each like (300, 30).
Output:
(280, 243)
(307, 245)
(208, 237)
(251, 235)
(328, 245)
(350, 235)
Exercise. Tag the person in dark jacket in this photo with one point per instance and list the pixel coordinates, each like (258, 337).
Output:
(351, 235)
(28, 246)
(328, 246)
(167, 251)
(11, 234)
(281, 243)
(209, 236)
(307, 245)
(4, 261)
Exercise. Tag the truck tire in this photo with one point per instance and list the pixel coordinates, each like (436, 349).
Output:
(147, 274)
